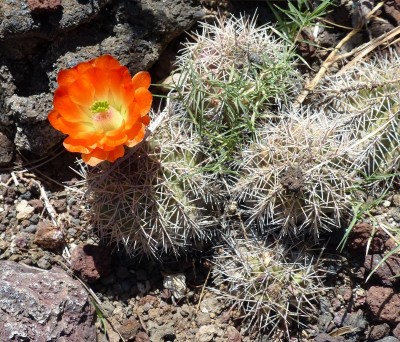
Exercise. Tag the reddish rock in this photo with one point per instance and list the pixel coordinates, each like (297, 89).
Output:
(387, 272)
(39, 305)
(44, 5)
(142, 337)
(360, 235)
(129, 328)
(37, 204)
(233, 335)
(91, 262)
(384, 304)
(48, 235)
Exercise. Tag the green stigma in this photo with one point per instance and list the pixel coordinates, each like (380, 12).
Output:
(100, 106)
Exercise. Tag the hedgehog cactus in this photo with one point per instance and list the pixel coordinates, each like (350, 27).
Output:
(298, 173)
(370, 94)
(157, 199)
(229, 77)
(274, 285)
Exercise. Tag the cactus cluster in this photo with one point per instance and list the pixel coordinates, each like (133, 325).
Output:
(229, 76)
(156, 199)
(234, 154)
(274, 285)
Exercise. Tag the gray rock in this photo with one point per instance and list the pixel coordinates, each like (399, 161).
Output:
(388, 339)
(38, 305)
(6, 150)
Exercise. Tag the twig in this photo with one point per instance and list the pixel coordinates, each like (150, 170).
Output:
(202, 291)
(384, 38)
(331, 59)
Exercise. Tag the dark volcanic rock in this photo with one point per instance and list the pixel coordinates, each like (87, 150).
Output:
(37, 305)
(6, 150)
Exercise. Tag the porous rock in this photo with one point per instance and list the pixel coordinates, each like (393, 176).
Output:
(6, 150)
(38, 305)
(90, 262)
(361, 234)
(387, 272)
(44, 5)
(378, 331)
(48, 235)
(383, 304)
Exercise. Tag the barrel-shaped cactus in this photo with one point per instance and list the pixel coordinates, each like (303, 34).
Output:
(369, 93)
(298, 174)
(274, 285)
(229, 77)
(157, 199)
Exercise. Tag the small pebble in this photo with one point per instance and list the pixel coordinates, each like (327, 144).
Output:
(386, 204)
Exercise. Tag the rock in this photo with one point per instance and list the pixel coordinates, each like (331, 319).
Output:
(386, 273)
(392, 9)
(22, 240)
(388, 339)
(396, 331)
(361, 233)
(383, 304)
(24, 210)
(129, 328)
(37, 204)
(6, 150)
(327, 338)
(396, 197)
(48, 235)
(38, 6)
(206, 333)
(142, 337)
(33, 131)
(233, 335)
(163, 333)
(39, 305)
(91, 262)
(378, 331)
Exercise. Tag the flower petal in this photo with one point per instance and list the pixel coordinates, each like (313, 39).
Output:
(106, 62)
(95, 157)
(144, 99)
(116, 153)
(74, 145)
(69, 110)
(135, 134)
(141, 80)
(82, 92)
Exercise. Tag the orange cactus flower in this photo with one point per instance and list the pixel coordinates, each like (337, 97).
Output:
(101, 108)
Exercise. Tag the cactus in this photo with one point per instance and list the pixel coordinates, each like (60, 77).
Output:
(369, 93)
(229, 78)
(275, 286)
(157, 199)
(298, 174)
